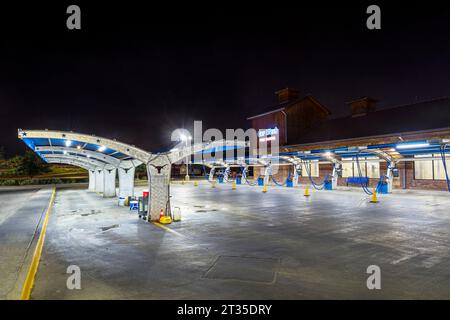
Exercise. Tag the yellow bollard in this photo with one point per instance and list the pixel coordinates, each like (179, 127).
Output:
(233, 186)
(182, 181)
(264, 188)
(306, 192)
(374, 198)
(213, 184)
(195, 184)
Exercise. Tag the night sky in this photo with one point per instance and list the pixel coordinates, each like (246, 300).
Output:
(135, 72)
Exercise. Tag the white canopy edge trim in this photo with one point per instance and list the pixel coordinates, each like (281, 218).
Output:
(124, 148)
(178, 155)
(73, 163)
(93, 154)
(93, 162)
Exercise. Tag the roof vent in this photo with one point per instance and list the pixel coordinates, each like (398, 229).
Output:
(362, 106)
(287, 95)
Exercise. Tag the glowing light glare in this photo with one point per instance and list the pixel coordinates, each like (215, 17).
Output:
(88, 156)
(102, 148)
(413, 145)
(184, 137)
(65, 152)
(78, 147)
(174, 149)
(68, 143)
(328, 154)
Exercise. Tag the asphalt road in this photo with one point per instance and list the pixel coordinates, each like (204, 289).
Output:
(21, 215)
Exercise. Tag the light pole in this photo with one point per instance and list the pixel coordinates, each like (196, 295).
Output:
(186, 139)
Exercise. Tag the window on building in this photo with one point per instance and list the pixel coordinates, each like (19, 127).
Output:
(372, 167)
(313, 167)
(347, 168)
(423, 169)
(438, 167)
(362, 167)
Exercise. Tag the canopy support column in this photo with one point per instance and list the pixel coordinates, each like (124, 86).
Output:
(390, 176)
(337, 170)
(158, 170)
(99, 180)
(126, 182)
(211, 174)
(110, 183)
(297, 173)
(267, 173)
(91, 180)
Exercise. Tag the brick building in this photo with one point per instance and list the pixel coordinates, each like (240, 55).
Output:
(304, 124)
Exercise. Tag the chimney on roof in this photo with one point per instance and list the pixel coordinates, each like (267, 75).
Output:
(362, 106)
(287, 95)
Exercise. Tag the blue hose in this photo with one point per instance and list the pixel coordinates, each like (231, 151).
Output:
(365, 187)
(206, 174)
(285, 182)
(245, 178)
(443, 147)
(315, 185)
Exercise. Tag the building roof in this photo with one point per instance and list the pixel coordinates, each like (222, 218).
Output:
(426, 115)
(283, 106)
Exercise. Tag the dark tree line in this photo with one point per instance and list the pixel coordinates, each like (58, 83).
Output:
(29, 164)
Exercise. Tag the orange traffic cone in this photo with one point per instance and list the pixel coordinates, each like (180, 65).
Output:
(306, 192)
(161, 214)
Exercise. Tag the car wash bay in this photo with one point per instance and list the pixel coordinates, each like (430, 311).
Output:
(243, 244)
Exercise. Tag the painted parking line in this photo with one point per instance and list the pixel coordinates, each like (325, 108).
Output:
(167, 229)
(29, 281)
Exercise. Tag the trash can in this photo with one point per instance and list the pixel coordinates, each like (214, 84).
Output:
(260, 181)
(238, 180)
(176, 214)
(134, 205)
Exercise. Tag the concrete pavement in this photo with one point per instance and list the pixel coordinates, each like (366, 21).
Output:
(244, 244)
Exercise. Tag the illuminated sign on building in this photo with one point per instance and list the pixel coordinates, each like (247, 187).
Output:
(266, 139)
(268, 132)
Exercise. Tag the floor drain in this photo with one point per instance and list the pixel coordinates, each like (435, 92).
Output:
(244, 268)
(109, 227)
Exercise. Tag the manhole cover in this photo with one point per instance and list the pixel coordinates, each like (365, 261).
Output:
(244, 269)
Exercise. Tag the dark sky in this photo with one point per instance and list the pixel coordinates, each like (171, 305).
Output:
(137, 72)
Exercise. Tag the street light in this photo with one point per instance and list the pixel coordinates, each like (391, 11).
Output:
(186, 139)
